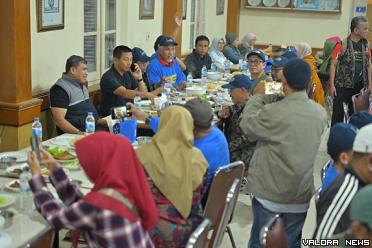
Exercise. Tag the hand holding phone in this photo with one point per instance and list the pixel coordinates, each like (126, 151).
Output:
(133, 67)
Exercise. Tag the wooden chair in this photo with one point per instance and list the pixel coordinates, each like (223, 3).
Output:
(45, 240)
(228, 210)
(222, 181)
(273, 235)
(199, 237)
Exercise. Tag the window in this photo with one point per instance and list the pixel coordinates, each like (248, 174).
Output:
(99, 35)
(197, 20)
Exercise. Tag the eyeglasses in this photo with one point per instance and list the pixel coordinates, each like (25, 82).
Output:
(256, 62)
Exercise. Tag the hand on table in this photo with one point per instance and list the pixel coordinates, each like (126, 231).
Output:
(137, 113)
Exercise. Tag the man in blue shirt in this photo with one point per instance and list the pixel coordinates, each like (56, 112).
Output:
(164, 68)
(208, 139)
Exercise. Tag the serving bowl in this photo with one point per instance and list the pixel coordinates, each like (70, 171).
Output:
(195, 91)
(214, 75)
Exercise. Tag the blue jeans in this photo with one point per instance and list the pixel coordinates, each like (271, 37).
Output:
(293, 225)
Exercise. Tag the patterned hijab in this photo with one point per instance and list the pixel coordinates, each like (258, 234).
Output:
(303, 49)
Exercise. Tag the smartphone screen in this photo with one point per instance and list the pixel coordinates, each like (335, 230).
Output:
(35, 145)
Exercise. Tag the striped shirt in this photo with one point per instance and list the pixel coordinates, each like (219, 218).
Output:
(333, 206)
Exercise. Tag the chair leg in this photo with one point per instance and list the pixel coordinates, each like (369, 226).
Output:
(228, 230)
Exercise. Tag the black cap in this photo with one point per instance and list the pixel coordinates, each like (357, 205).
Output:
(167, 41)
(139, 55)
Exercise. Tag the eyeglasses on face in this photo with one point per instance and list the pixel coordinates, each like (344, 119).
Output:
(254, 62)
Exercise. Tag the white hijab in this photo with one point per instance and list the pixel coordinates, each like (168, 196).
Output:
(303, 49)
(246, 40)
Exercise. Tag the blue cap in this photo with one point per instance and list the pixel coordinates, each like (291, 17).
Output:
(341, 138)
(258, 53)
(139, 55)
(241, 81)
(360, 119)
(290, 54)
(279, 62)
(167, 41)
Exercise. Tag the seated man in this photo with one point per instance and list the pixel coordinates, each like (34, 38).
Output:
(208, 139)
(340, 148)
(277, 68)
(69, 98)
(199, 57)
(334, 204)
(240, 147)
(119, 83)
(256, 66)
(360, 119)
(164, 68)
(142, 60)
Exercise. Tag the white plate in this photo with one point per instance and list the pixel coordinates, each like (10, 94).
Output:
(284, 3)
(254, 2)
(10, 169)
(145, 103)
(269, 3)
(5, 239)
(197, 80)
(69, 167)
(63, 140)
(21, 156)
(12, 189)
(9, 200)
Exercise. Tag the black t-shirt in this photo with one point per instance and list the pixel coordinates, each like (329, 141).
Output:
(58, 97)
(110, 81)
(358, 55)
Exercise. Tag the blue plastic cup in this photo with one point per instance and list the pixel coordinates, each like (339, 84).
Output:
(128, 128)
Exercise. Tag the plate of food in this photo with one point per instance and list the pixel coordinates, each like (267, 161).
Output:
(73, 165)
(15, 170)
(21, 156)
(6, 201)
(63, 140)
(273, 88)
(61, 155)
(197, 80)
(13, 186)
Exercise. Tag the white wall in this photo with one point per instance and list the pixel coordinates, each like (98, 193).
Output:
(285, 27)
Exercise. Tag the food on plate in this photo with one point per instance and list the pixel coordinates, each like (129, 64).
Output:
(61, 154)
(44, 172)
(15, 184)
(211, 86)
(73, 141)
(273, 88)
(16, 171)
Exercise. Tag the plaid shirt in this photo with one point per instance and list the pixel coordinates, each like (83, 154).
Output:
(102, 228)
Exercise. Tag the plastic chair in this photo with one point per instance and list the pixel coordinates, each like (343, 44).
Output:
(199, 237)
(324, 170)
(273, 233)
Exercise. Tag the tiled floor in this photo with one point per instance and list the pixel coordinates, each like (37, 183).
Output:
(242, 221)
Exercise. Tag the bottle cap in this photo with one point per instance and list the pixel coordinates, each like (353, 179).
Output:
(90, 113)
(37, 119)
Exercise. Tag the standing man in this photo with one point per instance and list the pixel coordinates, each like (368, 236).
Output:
(350, 68)
(288, 135)
(199, 57)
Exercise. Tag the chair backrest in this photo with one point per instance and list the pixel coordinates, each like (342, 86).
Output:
(232, 195)
(199, 237)
(273, 234)
(324, 169)
(346, 112)
(43, 241)
(361, 101)
(222, 181)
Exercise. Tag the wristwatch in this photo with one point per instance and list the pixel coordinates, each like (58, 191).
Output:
(147, 120)
(79, 132)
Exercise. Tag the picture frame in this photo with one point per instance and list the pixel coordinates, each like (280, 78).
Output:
(307, 4)
(220, 7)
(50, 15)
(147, 9)
(184, 9)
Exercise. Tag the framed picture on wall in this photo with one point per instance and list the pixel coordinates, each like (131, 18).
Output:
(146, 10)
(220, 7)
(50, 15)
(307, 4)
(184, 9)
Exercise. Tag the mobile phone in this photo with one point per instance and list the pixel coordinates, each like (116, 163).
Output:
(133, 67)
(120, 112)
(35, 145)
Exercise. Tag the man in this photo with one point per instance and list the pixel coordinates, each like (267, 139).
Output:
(119, 83)
(333, 205)
(142, 60)
(279, 51)
(350, 68)
(256, 65)
(288, 135)
(164, 68)
(69, 98)
(199, 57)
(277, 67)
(360, 119)
(207, 138)
(240, 147)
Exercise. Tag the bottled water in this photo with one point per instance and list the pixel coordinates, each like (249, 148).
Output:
(137, 100)
(213, 67)
(241, 64)
(26, 202)
(204, 74)
(227, 67)
(183, 100)
(219, 101)
(90, 124)
(189, 80)
(37, 129)
(167, 88)
(244, 66)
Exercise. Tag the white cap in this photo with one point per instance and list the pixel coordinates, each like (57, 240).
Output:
(363, 140)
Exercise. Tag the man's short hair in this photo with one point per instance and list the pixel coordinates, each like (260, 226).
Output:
(356, 21)
(119, 50)
(201, 38)
(74, 61)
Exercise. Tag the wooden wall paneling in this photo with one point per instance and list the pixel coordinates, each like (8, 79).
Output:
(233, 16)
(171, 8)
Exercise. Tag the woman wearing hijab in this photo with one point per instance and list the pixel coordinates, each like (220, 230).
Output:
(176, 171)
(231, 50)
(247, 43)
(117, 212)
(216, 53)
(304, 51)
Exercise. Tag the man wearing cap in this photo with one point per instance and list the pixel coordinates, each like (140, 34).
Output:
(277, 67)
(240, 147)
(288, 135)
(360, 119)
(208, 139)
(164, 68)
(333, 205)
(142, 60)
(199, 57)
(256, 65)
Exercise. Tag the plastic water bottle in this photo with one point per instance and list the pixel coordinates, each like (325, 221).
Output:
(204, 74)
(213, 67)
(137, 100)
(90, 124)
(219, 101)
(189, 80)
(37, 129)
(244, 66)
(26, 202)
(227, 67)
(183, 100)
(241, 64)
(167, 88)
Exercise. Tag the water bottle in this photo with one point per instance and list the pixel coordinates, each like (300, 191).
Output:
(183, 100)
(241, 64)
(370, 105)
(167, 88)
(90, 124)
(213, 67)
(37, 129)
(137, 100)
(219, 101)
(227, 67)
(189, 80)
(244, 66)
(204, 74)
(26, 202)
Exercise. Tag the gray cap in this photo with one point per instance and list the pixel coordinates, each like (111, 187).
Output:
(201, 112)
(363, 140)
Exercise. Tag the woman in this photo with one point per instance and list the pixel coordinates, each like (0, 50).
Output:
(304, 51)
(231, 50)
(216, 53)
(117, 212)
(176, 171)
(247, 43)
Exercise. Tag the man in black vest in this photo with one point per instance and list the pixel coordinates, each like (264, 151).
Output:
(69, 98)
